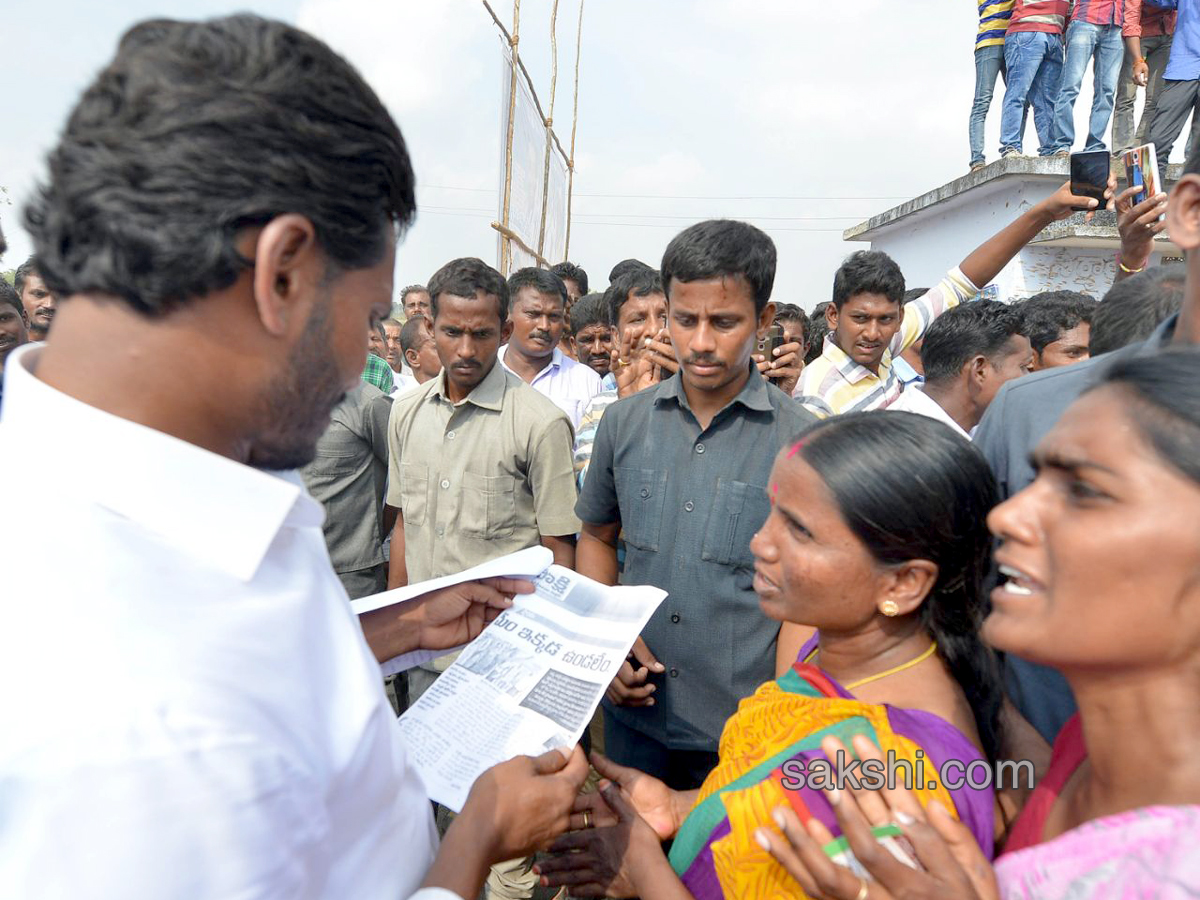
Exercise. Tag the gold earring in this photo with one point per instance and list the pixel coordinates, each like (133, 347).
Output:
(889, 608)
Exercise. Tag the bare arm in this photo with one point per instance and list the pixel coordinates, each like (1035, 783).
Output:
(397, 570)
(986, 262)
(563, 549)
(596, 554)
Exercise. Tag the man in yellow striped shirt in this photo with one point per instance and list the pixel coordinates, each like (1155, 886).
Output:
(989, 62)
(868, 328)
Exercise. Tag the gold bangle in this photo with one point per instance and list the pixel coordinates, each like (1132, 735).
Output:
(1127, 270)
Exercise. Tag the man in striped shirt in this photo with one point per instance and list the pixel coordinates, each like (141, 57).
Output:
(989, 62)
(868, 327)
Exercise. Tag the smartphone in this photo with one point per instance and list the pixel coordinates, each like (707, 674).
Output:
(767, 345)
(1089, 176)
(1141, 171)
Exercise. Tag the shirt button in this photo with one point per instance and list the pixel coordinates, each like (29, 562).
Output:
(445, 484)
(449, 435)
(675, 617)
(689, 506)
(674, 673)
(699, 448)
(645, 493)
(441, 531)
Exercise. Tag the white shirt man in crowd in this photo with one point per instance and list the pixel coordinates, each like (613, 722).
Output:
(968, 353)
(420, 353)
(237, 742)
(537, 318)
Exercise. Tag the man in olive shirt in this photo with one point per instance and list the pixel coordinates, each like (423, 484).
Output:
(682, 468)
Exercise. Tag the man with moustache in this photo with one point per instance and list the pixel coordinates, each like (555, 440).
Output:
(39, 303)
(591, 334)
(681, 469)
(537, 320)
(13, 326)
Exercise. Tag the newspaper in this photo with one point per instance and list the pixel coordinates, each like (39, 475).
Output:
(529, 683)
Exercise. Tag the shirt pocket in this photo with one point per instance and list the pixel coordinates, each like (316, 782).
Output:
(339, 455)
(641, 494)
(489, 505)
(414, 493)
(738, 512)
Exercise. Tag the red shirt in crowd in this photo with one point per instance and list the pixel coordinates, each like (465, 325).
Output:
(1039, 15)
(1142, 20)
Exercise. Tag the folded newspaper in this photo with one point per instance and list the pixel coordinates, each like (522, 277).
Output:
(530, 682)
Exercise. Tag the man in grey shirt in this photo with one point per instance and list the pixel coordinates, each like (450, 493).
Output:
(348, 477)
(1026, 409)
(681, 469)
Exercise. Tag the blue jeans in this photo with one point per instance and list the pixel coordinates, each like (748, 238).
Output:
(989, 62)
(1086, 41)
(1034, 62)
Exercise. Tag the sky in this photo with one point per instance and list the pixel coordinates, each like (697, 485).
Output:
(803, 118)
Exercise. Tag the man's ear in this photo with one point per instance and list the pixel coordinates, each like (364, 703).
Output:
(506, 331)
(412, 358)
(766, 319)
(977, 372)
(1183, 213)
(287, 268)
(831, 316)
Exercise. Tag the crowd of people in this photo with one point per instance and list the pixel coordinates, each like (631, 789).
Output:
(1042, 48)
(919, 527)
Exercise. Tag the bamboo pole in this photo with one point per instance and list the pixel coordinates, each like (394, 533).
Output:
(511, 235)
(574, 123)
(506, 233)
(549, 127)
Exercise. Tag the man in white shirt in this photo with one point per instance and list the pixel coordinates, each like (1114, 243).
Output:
(969, 351)
(420, 352)
(237, 742)
(538, 316)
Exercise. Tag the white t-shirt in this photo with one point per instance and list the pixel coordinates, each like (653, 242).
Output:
(190, 709)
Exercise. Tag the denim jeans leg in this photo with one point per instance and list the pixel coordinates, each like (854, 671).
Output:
(1023, 57)
(988, 62)
(1110, 50)
(1044, 90)
(1122, 123)
(1081, 41)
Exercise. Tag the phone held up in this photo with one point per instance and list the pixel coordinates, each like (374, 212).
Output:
(1089, 176)
(766, 346)
(1141, 171)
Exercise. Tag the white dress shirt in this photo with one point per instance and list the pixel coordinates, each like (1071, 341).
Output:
(190, 709)
(567, 382)
(915, 400)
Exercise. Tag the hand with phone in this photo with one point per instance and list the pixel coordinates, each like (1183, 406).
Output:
(778, 361)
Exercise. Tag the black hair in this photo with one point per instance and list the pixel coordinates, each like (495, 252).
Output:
(624, 267)
(913, 294)
(638, 282)
(817, 329)
(588, 310)
(565, 270)
(960, 334)
(543, 281)
(910, 488)
(411, 336)
(8, 294)
(466, 277)
(868, 272)
(1047, 315)
(1166, 387)
(197, 131)
(3, 243)
(790, 312)
(1133, 308)
(722, 248)
(412, 289)
(24, 270)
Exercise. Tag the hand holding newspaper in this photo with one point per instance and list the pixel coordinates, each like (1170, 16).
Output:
(530, 682)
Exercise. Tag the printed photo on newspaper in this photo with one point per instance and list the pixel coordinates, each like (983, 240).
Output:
(529, 683)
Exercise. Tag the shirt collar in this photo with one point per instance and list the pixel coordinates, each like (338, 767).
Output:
(556, 363)
(753, 394)
(203, 504)
(488, 394)
(850, 370)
